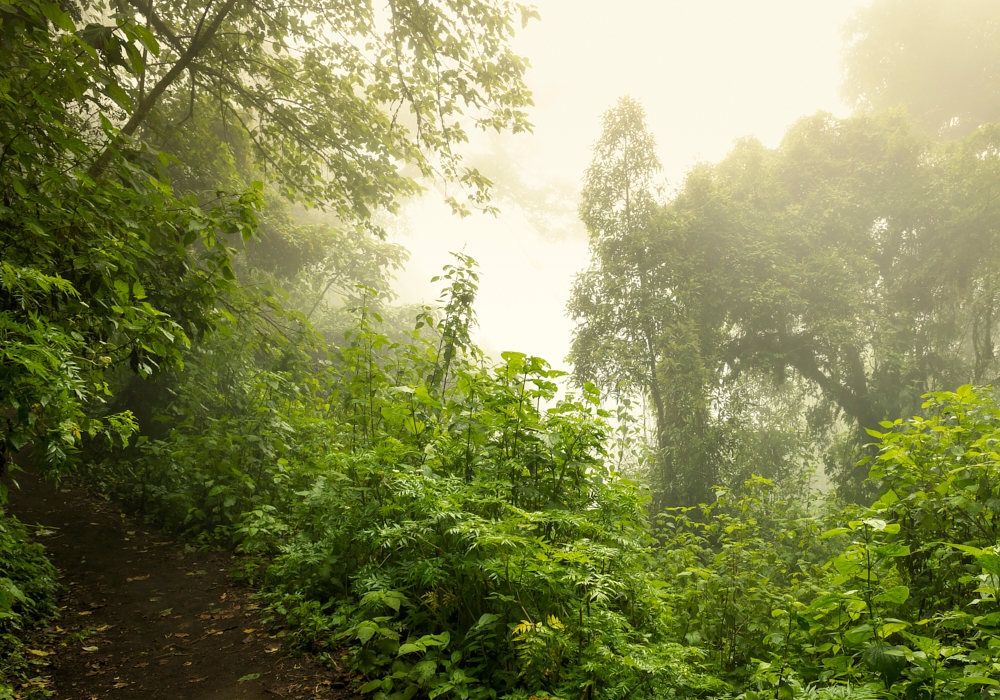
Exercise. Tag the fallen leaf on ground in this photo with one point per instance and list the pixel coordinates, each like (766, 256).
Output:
(248, 677)
(37, 652)
(90, 648)
(85, 612)
(181, 635)
(137, 578)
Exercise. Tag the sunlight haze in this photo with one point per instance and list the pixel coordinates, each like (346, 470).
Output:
(707, 73)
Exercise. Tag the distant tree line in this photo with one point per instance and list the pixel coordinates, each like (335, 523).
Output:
(783, 302)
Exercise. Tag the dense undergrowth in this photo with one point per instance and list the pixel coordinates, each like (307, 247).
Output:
(466, 531)
(462, 525)
(28, 584)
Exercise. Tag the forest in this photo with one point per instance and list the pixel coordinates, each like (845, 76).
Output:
(772, 473)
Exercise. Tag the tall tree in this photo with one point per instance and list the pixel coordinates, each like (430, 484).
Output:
(651, 322)
(857, 255)
(631, 335)
(614, 344)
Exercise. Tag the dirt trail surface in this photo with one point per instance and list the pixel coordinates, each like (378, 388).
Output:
(142, 617)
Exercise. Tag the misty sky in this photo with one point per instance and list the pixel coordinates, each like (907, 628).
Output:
(707, 72)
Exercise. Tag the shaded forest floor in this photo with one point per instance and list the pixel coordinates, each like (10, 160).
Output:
(144, 617)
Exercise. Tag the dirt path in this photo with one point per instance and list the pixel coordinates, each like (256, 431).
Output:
(143, 618)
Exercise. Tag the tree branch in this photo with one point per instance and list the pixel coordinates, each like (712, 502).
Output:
(196, 46)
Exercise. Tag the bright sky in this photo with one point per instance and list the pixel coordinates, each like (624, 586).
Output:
(707, 72)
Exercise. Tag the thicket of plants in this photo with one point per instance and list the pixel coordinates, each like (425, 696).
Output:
(28, 585)
(465, 532)
(181, 328)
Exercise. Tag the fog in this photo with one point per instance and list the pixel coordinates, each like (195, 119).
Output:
(707, 72)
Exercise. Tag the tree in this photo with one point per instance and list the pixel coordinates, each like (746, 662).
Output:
(938, 59)
(330, 98)
(632, 336)
(105, 264)
(94, 273)
(964, 250)
(857, 256)
(612, 344)
(650, 322)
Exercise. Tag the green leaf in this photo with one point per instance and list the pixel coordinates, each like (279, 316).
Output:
(977, 680)
(893, 550)
(887, 661)
(890, 628)
(989, 562)
(859, 634)
(889, 497)
(370, 686)
(55, 15)
(896, 595)
(834, 532)
(485, 620)
(146, 38)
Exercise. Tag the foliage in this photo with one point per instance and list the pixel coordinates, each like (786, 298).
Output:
(28, 584)
(424, 507)
(840, 275)
(299, 92)
(105, 263)
(934, 58)
(651, 322)
(95, 273)
(897, 599)
(467, 541)
(729, 565)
